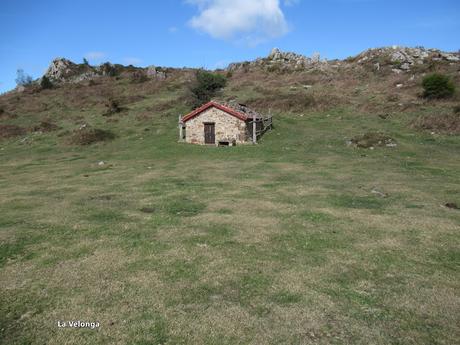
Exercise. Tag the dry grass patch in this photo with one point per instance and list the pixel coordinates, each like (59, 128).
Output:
(439, 123)
(10, 131)
(88, 136)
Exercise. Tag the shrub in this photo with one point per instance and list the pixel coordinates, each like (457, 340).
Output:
(456, 109)
(22, 78)
(85, 62)
(113, 106)
(206, 86)
(45, 126)
(45, 83)
(139, 77)
(108, 69)
(437, 86)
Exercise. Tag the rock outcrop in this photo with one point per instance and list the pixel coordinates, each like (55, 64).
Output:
(153, 72)
(62, 70)
(65, 71)
(402, 59)
(397, 59)
(279, 60)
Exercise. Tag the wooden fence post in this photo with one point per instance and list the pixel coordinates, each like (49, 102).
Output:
(254, 127)
(180, 129)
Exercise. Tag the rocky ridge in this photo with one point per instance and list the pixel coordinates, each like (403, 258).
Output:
(278, 59)
(398, 59)
(403, 59)
(393, 59)
(62, 70)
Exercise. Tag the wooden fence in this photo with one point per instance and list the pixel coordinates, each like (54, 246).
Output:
(261, 125)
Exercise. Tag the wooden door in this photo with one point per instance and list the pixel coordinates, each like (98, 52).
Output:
(209, 133)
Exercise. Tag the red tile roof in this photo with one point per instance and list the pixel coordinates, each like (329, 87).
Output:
(237, 114)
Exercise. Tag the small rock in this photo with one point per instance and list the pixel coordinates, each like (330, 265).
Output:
(101, 163)
(405, 66)
(379, 193)
(399, 85)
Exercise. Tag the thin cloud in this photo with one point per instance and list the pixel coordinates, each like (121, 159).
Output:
(173, 29)
(291, 2)
(132, 60)
(254, 20)
(95, 55)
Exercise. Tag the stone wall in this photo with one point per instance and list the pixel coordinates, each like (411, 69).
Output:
(227, 127)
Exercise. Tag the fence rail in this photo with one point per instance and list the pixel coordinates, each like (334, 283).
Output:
(262, 125)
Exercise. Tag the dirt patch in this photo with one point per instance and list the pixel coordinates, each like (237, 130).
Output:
(452, 205)
(10, 131)
(45, 126)
(104, 197)
(87, 135)
(372, 139)
(444, 123)
(147, 210)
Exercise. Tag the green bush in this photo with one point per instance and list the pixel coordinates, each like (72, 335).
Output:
(437, 86)
(23, 79)
(45, 83)
(206, 86)
(108, 69)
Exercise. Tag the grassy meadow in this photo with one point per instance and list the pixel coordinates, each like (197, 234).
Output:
(283, 242)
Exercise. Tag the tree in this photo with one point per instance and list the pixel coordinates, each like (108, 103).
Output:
(23, 79)
(85, 62)
(437, 86)
(46, 83)
(207, 84)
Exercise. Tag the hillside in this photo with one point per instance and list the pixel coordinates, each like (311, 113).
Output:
(339, 227)
(383, 81)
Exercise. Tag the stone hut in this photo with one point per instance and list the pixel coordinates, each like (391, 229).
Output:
(222, 124)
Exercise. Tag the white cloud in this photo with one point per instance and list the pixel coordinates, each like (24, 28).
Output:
(291, 2)
(251, 20)
(95, 55)
(132, 60)
(173, 29)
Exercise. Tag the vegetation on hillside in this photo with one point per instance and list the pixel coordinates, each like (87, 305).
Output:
(299, 239)
(206, 86)
(45, 83)
(23, 79)
(437, 86)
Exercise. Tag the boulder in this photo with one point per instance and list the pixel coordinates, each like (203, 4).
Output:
(153, 72)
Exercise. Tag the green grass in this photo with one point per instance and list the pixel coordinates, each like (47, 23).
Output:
(279, 243)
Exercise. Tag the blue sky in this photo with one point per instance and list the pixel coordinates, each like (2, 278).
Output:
(212, 33)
